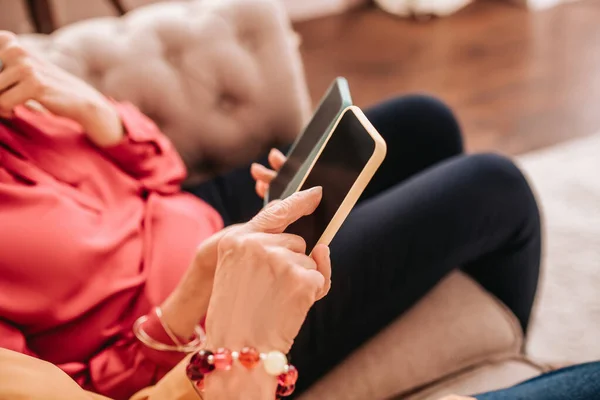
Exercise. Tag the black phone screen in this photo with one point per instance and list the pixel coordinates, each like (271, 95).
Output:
(343, 159)
(314, 132)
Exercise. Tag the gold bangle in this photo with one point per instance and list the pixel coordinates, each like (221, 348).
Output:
(166, 328)
(198, 392)
(154, 344)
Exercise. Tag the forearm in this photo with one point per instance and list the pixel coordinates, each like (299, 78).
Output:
(187, 305)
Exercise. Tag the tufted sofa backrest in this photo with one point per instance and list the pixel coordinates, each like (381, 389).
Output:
(222, 78)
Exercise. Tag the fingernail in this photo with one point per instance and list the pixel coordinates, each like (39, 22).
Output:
(328, 251)
(316, 189)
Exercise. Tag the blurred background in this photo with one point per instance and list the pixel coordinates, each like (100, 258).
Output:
(519, 78)
(521, 74)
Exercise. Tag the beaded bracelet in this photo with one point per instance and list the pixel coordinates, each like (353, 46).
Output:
(275, 363)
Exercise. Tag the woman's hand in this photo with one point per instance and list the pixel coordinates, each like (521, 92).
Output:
(190, 300)
(263, 175)
(265, 284)
(24, 78)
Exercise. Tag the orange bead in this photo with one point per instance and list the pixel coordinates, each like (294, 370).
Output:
(249, 357)
(223, 360)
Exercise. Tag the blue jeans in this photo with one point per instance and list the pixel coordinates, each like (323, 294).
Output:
(580, 382)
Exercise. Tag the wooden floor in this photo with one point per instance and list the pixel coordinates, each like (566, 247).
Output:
(518, 80)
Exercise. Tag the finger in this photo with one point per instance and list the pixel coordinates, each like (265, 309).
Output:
(15, 96)
(261, 188)
(299, 260)
(11, 52)
(276, 159)
(272, 203)
(288, 241)
(8, 78)
(291, 242)
(6, 37)
(261, 173)
(316, 282)
(277, 217)
(323, 261)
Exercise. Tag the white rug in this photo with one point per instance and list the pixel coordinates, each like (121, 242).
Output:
(566, 321)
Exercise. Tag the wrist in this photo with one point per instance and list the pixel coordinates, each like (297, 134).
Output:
(187, 304)
(182, 316)
(244, 373)
(237, 334)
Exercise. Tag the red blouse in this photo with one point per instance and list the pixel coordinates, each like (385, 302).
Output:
(90, 239)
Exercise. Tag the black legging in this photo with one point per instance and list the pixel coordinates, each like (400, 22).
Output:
(428, 210)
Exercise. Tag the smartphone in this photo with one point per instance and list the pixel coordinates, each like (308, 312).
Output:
(336, 100)
(343, 165)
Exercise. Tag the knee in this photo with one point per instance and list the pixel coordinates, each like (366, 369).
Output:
(506, 182)
(428, 121)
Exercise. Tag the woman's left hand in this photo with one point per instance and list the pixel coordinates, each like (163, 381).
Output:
(263, 175)
(24, 77)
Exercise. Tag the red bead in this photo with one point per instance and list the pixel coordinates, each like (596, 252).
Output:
(285, 391)
(249, 357)
(193, 373)
(288, 378)
(200, 360)
(223, 360)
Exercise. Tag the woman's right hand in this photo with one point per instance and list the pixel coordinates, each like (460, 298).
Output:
(265, 283)
(25, 77)
(264, 286)
(262, 243)
(263, 175)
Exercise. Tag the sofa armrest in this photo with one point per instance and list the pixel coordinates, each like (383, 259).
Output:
(223, 79)
(486, 377)
(456, 326)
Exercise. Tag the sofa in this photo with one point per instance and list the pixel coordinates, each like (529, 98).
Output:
(224, 80)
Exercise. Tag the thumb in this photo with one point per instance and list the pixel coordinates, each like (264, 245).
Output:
(277, 216)
(321, 256)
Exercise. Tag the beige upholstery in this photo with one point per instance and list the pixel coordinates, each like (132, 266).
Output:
(486, 377)
(223, 77)
(456, 328)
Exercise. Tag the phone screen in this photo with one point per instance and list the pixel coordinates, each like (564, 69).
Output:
(343, 159)
(329, 109)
